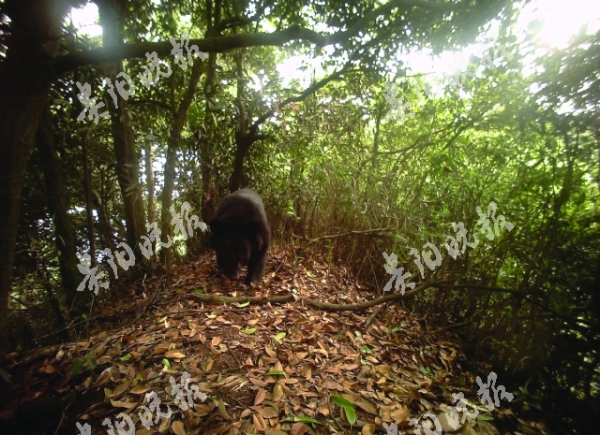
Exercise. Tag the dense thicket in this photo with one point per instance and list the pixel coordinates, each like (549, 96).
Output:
(361, 145)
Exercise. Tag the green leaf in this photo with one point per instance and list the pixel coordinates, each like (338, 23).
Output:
(90, 363)
(306, 420)
(248, 331)
(342, 401)
(351, 414)
(76, 367)
(348, 408)
(138, 378)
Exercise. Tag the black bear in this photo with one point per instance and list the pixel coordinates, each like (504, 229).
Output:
(240, 235)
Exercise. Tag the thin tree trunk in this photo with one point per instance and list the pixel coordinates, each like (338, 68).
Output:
(57, 205)
(179, 118)
(149, 178)
(33, 42)
(242, 142)
(106, 231)
(127, 159)
(244, 136)
(88, 203)
(206, 145)
(61, 323)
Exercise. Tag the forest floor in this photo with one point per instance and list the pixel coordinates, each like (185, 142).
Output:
(169, 353)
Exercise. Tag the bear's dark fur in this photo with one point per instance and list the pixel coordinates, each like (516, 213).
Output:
(240, 235)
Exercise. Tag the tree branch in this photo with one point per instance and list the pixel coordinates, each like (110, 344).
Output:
(325, 306)
(222, 44)
(352, 233)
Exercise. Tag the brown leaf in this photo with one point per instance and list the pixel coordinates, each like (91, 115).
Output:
(367, 406)
(258, 382)
(269, 412)
(175, 354)
(104, 359)
(178, 428)
(330, 384)
(139, 389)
(400, 415)
(202, 409)
(277, 393)
(299, 429)
(259, 422)
(104, 377)
(368, 429)
(306, 371)
(121, 388)
(323, 410)
(123, 404)
(260, 397)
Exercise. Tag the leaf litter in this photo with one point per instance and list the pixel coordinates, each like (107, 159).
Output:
(267, 363)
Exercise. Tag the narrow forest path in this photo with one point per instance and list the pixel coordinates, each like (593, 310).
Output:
(180, 365)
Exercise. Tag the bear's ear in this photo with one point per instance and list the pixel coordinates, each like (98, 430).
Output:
(216, 226)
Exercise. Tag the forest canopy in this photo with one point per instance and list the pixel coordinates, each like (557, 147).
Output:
(476, 181)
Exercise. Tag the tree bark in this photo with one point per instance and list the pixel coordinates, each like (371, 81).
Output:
(87, 181)
(25, 78)
(149, 178)
(243, 140)
(124, 144)
(57, 205)
(179, 118)
(206, 145)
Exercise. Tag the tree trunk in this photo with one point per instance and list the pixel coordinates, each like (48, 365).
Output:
(206, 145)
(206, 168)
(87, 181)
(179, 118)
(243, 143)
(105, 229)
(127, 160)
(57, 205)
(32, 44)
(245, 135)
(149, 178)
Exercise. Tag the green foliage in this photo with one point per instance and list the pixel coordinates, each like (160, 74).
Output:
(80, 364)
(348, 407)
(336, 160)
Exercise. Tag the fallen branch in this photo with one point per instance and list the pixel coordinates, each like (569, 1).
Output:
(352, 233)
(325, 306)
(373, 316)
